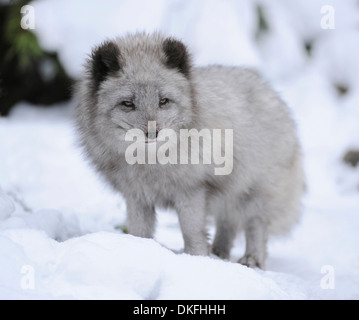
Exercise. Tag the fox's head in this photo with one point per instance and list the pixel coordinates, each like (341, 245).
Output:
(132, 81)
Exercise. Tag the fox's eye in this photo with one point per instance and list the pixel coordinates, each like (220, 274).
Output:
(128, 104)
(164, 101)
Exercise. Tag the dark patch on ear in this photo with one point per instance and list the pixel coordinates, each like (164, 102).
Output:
(177, 56)
(104, 61)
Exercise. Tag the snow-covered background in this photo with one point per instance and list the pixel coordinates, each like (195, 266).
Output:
(61, 228)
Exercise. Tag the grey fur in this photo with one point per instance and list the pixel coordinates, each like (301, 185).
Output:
(262, 194)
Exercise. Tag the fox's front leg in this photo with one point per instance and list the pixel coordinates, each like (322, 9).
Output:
(190, 208)
(141, 218)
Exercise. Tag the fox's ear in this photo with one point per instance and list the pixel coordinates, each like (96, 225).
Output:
(104, 60)
(177, 56)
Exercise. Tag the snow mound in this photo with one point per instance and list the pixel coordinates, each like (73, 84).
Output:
(106, 265)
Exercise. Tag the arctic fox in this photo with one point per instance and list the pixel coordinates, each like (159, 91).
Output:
(142, 78)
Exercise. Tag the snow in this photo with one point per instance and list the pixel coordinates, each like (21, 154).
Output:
(61, 227)
(87, 268)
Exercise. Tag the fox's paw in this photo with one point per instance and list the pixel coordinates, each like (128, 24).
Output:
(251, 261)
(222, 253)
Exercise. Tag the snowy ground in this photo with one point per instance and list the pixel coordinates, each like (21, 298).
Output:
(61, 227)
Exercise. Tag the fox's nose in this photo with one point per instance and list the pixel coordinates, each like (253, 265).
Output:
(152, 134)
